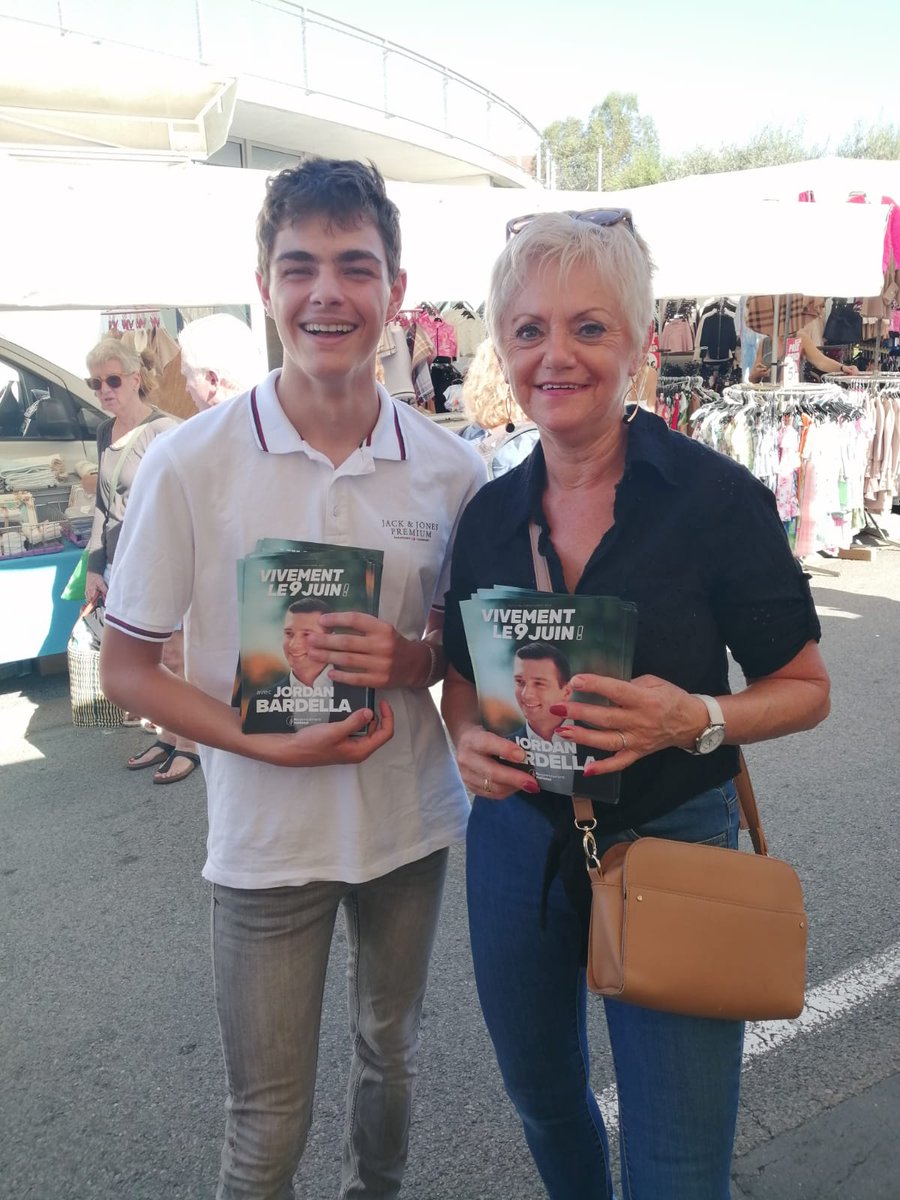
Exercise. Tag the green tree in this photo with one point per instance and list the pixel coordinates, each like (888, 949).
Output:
(628, 141)
(574, 158)
(771, 147)
(879, 141)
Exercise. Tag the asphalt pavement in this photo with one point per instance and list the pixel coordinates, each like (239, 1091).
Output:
(111, 1081)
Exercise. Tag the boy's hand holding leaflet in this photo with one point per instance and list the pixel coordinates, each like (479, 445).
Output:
(373, 655)
(351, 741)
(287, 678)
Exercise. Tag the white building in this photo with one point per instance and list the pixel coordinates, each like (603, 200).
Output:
(248, 83)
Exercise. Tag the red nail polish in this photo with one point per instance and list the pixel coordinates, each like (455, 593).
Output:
(532, 786)
(559, 710)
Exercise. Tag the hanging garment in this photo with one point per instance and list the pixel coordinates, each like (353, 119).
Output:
(808, 444)
(397, 366)
(677, 337)
(468, 327)
(718, 336)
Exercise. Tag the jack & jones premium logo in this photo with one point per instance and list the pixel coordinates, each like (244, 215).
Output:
(405, 530)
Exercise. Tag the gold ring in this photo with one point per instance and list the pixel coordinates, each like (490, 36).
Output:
(623, 737)
(487, 786)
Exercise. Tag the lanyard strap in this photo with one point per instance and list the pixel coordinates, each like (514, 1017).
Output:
(584, 810)
(117, 469)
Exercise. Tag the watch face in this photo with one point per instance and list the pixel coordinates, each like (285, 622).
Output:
(710, 739)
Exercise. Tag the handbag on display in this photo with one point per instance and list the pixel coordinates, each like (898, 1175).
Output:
(844, 324)
(688, 928)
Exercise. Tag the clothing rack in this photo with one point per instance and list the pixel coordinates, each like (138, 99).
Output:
(809, 444)
(668, 384)
(677, 397)
(864, 380)
(879, 393)
(787, 397)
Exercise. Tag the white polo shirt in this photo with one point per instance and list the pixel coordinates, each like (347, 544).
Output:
(204, 495)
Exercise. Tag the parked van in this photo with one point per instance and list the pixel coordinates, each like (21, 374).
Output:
(44, 410)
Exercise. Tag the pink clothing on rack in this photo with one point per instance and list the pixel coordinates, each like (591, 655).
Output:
(677, 337)
(441, 332)
(891, 236)
(892, 233)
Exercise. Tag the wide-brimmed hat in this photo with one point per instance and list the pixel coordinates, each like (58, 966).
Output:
(761, 313)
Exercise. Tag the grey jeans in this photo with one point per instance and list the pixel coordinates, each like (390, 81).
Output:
(270, 953)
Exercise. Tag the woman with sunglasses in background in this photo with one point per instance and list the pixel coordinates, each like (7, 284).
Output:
(117, 377)
(623, 506)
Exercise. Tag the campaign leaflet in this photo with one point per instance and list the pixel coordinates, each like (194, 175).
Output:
(283, 588)
(525, 647)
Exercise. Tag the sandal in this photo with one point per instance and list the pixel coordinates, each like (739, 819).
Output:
(193, 763)
(158, 753)
(130, 721)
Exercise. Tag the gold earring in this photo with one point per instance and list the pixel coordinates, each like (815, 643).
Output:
(632, 396)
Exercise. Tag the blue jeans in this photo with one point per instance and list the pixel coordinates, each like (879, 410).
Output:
(270, 953)
(678, 1077)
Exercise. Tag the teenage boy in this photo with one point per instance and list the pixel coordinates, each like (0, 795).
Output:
(358, 813)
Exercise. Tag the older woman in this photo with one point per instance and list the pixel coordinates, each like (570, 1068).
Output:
(625, 507)
(117, 377)
(500, 431)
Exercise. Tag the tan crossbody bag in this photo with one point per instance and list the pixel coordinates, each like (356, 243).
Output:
(693, 929)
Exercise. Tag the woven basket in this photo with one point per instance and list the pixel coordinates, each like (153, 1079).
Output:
(89, 706)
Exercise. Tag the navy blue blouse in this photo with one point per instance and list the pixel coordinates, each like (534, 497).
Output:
(697, 544)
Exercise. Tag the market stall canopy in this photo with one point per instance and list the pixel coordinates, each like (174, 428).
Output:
(101, 235)
(90, 98)
(831, 180)
(701, 247)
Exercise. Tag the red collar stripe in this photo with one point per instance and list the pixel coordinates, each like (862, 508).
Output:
(400, 440)
(148, 634)
(254, 408)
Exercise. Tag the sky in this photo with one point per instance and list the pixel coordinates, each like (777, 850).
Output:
(707, 71)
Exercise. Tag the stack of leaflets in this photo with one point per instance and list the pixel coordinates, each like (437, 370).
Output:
(525, 647)
(283, 588)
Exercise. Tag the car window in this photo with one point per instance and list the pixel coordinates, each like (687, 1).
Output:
(32, 407)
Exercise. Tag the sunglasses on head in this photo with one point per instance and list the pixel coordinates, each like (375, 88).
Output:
(113, 381)
(594, 216)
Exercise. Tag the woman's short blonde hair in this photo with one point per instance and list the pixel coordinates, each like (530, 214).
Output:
(109, 349)
(486, 395)
(620, 258)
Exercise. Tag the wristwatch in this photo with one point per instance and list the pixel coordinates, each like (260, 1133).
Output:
(712, 737)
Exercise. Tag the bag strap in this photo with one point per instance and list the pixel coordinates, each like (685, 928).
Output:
(117, 469)
(750, 818)
(541, 570)
(582, 806)
(585, 821)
